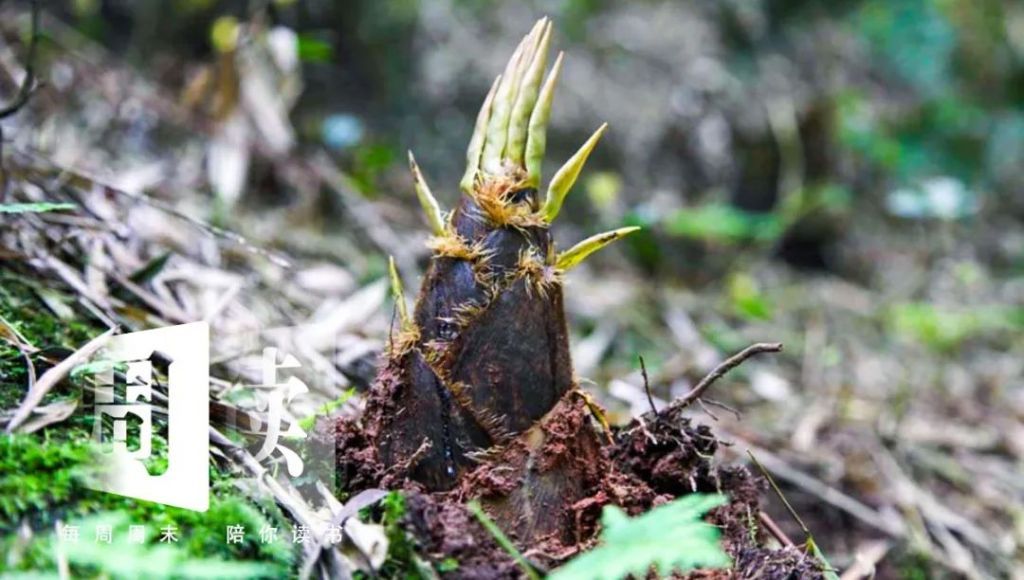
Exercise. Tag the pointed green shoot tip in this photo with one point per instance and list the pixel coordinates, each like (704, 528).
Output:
(398, 294)
(575, 255)
(565, 177)
(476, 142)
(536, 138)
(519, 123)
(530, 44)
(527, 50)
(427, 200)
(501, 110)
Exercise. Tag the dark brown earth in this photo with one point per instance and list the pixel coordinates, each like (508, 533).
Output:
(546, 488)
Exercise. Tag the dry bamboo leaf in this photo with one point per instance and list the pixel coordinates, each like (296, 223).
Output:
(53, 376)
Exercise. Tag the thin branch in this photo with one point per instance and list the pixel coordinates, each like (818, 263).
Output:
(774, 529)
(54, 376)
(832, 496)
(704, 407)
(647, 384)
(723, 406)
(723, 368)
(778, 492)
(29, 81)
(811, 545)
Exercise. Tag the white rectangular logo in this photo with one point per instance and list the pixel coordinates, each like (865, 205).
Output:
(127, 398)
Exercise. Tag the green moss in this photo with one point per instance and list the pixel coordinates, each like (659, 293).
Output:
(401, 561)
(40, 478)
(20, 304)
(45, 476)
(22, 308)
(122, 559)
(45, 481)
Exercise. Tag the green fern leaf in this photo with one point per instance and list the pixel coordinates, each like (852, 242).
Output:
(669, 537)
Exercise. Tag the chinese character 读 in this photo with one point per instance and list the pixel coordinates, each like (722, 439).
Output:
(104, 534)
(235, 534)
(136, 534)
(300, 534)
(169, 533)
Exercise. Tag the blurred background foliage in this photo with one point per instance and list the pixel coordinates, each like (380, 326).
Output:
(758, 118)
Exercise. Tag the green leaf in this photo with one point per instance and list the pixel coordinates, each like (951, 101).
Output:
(97, 366)
(829, 572)
(746, 298)
(723, 223)
(314, 50)
(449, 564)
(672, 537)
(35, 207)
(151, 269)
(326, 409)
(913, 38)
(944, 329)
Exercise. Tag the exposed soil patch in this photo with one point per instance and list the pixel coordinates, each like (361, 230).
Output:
(445, 529)
(546, 487)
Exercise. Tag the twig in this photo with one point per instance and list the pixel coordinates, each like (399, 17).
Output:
(276, 258)
(831, 495)
(778, 492)
(23, 347)
(774, 529)
(704, 407)
(723, 406)
(29, 80)
(723, 368)
(647, 385)
(24, 92)
(810, 545)
(167, 310)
